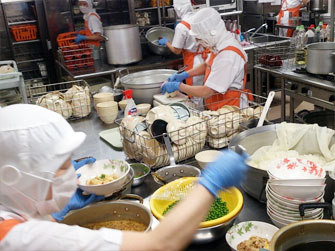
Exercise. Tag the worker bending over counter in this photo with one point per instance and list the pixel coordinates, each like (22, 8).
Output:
(225, 70)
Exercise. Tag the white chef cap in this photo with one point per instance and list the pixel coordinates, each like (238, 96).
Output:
(34, 143)
(182, 7)
(208, 26)
(89, 3)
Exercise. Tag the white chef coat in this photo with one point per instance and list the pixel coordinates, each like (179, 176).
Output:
(94, 24)
(289, 4)
(183, 40)
(227, 70)
(47, 235)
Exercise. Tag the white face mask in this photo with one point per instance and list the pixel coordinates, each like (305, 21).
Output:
(84, 9)
(63, 188)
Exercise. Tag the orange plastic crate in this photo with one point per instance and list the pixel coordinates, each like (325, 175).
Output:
(67, 38)
(24, 32)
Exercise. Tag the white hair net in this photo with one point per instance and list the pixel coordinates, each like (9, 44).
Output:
(182, 8)
(208, 26)
(34, 144)
(89, 3)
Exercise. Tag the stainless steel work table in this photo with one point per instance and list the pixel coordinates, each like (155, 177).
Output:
(94, 146)
(102, 69)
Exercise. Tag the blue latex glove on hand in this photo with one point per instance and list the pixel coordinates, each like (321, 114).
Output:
(227, 171)
(79, 38)
(178, 77)
(83, 162)
(170, 87)
(162, 41)
(77, 201)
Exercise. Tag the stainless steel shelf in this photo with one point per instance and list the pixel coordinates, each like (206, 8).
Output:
(20, 20)
(151, 8)
(154, 25)
(30, 61)
(26, 42)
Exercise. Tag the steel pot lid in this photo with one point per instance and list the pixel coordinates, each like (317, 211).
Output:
(120, 26)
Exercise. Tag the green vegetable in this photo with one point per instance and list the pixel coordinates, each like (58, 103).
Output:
(102, 176)
(217, 210)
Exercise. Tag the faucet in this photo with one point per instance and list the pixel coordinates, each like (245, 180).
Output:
(263, 25)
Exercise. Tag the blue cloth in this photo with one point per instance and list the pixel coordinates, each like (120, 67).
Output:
(178, 77)
(79, 38)
(162, 41)
(170, 87)
(77, 201)
(227, 171)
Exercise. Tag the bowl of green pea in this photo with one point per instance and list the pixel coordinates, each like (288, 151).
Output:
(141, 171)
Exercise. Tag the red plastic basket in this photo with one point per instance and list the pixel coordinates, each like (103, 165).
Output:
(67, 39)
(24, 32)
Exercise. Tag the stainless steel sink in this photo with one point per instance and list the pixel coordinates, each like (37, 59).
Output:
(263, 38)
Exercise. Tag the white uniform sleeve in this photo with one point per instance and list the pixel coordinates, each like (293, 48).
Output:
(227, 72)
(180, 36)
(45, 235)
(95, 25)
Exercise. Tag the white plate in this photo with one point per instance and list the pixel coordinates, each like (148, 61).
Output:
(295, 168)
(244, 230)
(298, 192)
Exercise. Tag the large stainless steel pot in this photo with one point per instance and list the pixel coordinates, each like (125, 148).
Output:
(320, 58)
(305, 232)
(115, 210)
(153, 36)
(319, 5)
(123, 45)
(256, 179)
(145, 84)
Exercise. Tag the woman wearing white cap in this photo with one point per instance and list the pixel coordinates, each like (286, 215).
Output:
(37, 179)
(93, 25)
(193, 53)
(225, 70)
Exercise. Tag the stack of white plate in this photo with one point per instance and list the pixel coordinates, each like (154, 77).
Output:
(294, 181)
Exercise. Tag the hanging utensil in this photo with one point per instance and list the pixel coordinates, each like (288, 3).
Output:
(266, 108)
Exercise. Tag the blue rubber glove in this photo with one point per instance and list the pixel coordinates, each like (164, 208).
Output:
(170, 87)
(83, 162)
(162, 41)
(79, 38)
(178, 77)
(77, 201)
(227, 171)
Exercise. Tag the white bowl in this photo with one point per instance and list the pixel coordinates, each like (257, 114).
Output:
(177, 131)
(142, 109)
(123, 104)
(108, 119)
(298, 192)
(303, 182)
(244, 230)
(278, 223)
(291, 200)
(119, 168)
(292, 214)
(295, 216)
(295, 168)
(205, 157)
(163, 112)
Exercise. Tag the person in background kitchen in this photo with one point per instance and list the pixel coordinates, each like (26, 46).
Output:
(225, 70)
(93, 25)
(37, 179)
(183, 43)
(289, 9)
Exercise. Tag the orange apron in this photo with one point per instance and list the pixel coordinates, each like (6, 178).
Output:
(295, 13)
(89, 33)
(230, 97)
(6, 226)
(188, 56)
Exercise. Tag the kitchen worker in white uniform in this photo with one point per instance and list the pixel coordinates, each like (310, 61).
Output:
(289, 7)
(193, 53)
(225, 69)
(93, 25)
(37, 179)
